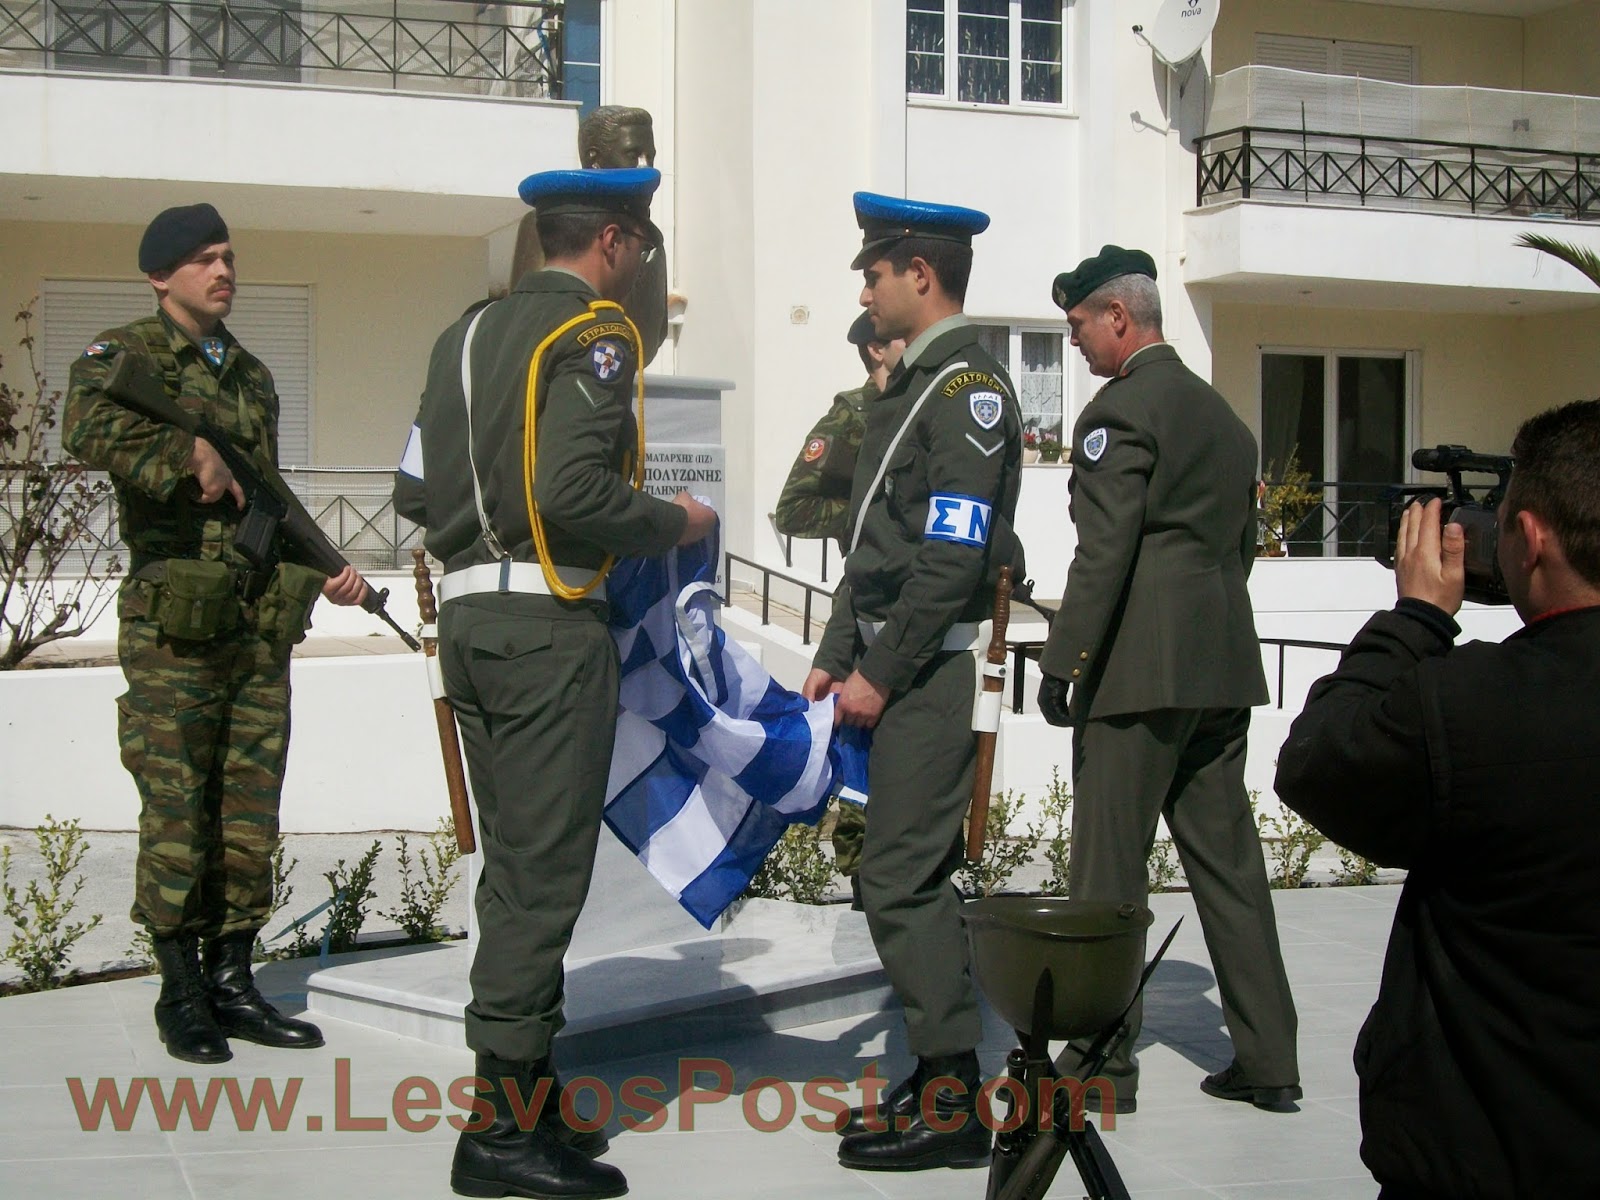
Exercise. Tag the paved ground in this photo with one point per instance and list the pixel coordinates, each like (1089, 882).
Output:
(1180, 1144)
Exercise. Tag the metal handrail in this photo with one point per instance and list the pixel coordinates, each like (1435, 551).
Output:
(1284, 643)
(524, 55)
(1398, 170)
(768, 574)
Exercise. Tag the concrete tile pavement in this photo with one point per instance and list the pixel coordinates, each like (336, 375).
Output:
(343, 1134)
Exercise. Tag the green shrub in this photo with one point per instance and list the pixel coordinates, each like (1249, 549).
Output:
(43, 936)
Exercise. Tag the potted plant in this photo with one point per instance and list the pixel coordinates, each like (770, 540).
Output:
(1284, 503)
(1049, 449)
(1030, 446)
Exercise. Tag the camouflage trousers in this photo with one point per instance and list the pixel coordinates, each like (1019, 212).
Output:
(849, 832)
(204, 730)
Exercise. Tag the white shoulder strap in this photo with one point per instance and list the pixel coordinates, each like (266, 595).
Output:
(894, 444)
(472, 461)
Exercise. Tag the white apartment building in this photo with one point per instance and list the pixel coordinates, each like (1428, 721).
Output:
(1331, 189)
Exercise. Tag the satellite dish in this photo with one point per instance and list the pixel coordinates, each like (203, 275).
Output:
(1181, 27)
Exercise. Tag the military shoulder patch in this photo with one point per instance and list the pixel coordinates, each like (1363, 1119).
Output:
(815, 449)
(1094, 444)
(606, 360)
(986, 408)
(97, 350)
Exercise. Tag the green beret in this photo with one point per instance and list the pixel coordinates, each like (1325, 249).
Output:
(1073, 287)
(177, 233)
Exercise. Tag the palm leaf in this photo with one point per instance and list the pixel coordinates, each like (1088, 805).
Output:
(1581, 257)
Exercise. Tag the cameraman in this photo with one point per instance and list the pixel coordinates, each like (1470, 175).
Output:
(1478, 770)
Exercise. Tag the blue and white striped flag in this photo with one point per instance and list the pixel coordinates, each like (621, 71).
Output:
(713, 758)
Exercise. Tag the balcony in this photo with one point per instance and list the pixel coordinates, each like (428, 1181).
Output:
(1338, 191)
(544, 50)
(1294, 137)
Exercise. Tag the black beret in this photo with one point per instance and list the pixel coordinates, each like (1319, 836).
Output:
(178, 232)
(1073, 287)
(861, 331)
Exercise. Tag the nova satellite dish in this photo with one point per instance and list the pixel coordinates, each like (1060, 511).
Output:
(1181, 27)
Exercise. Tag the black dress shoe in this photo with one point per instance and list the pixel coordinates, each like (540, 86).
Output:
(955, 1137)
(1231, 1084)
(506, 1159)
(183, 1014)
(241, 1011)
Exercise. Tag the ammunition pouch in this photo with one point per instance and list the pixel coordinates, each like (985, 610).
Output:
(193, 599)
(283, 614)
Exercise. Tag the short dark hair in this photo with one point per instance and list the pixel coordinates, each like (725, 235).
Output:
(951, 262)
(1555, 477)
(567, 235)
(866, 358)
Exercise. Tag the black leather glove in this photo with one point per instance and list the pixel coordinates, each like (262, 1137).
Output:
(1053, 700)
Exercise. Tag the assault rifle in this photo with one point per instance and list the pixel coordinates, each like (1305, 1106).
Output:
(270, 505)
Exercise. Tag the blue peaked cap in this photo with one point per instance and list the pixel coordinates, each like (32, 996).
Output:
(885, 220)
(625, 191)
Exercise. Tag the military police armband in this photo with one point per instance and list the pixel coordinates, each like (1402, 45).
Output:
(961, 519)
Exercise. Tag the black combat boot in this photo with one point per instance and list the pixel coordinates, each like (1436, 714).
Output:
(957, 1138)
(592, 1142)
(183, 1015)
(506, 1159)
(900, 1101)
(241, 1011)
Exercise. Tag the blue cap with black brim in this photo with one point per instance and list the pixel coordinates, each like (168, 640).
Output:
(885, 220)
(622, 191)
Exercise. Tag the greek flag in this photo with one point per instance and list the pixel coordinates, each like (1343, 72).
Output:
(713, 759)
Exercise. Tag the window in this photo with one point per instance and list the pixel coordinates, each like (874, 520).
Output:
(1321, 105)
(580, 61)
(986, 51)
(1345, 418)
(273, 323)
(1033, 358)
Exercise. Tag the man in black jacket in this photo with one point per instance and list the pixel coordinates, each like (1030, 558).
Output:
(1478, 770)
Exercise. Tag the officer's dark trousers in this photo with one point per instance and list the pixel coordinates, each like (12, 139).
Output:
(1188, 766)
(534, 685)
(204, 731)
(920, 774)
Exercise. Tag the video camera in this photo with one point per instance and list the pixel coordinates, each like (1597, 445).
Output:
(1474, 513)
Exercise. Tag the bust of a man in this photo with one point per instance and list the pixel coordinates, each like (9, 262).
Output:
(613, 135)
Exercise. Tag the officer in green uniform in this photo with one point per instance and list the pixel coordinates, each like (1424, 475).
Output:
(1153, 659)
(525, 468)
(204, 724)
(931, 525)
(815, 503)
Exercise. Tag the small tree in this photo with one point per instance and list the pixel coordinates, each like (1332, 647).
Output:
(1285, 502)
(46, 512)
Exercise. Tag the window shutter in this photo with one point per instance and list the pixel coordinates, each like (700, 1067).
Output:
(1335, 106)
(272, 322)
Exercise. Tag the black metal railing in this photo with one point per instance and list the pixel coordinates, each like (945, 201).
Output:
(1285, 643)
(1263, 163)
(1347, 520)
(768, 574)
(353, 506)
(522, 53)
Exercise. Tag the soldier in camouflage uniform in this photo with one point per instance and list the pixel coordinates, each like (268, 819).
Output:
(204, 724)
(815, 503)
(526, 499)
(931, 509)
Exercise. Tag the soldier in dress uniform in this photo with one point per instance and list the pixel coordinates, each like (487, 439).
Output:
(525, 469)
(934, 496)
(204, 724)
(1154, 662)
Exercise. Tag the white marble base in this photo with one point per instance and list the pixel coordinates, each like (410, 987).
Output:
(770, 965)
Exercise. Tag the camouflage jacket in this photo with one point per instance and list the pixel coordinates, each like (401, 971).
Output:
(935, 495)
(158, 503)
(816, 497)
(586, 435)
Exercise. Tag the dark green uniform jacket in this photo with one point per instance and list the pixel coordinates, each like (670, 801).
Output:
(1157, 612)
(815, 502)
(936, 530)
(586, 435)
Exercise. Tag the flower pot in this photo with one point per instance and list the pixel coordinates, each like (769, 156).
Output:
(1030, 455)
